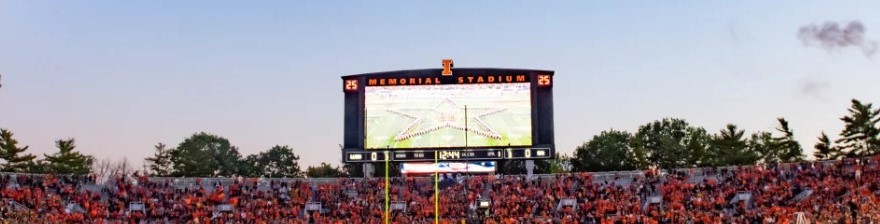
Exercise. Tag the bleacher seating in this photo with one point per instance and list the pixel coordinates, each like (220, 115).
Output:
(822, 192)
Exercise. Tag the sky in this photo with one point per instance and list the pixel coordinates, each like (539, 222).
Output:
(122, 76)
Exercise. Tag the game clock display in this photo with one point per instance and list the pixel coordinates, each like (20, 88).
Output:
(448, 155)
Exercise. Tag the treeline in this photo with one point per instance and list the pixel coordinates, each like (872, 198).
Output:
(665, 143)
(14, 158)
(208, 155)
(674, 143)
(200, 155)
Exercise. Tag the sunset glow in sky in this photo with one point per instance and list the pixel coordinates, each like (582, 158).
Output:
(122, 76)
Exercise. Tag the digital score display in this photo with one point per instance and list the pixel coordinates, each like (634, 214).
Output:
(449, 155)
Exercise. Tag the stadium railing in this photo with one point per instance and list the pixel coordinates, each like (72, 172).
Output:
(598, 177)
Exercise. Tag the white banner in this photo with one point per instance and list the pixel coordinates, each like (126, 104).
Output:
(449, 167)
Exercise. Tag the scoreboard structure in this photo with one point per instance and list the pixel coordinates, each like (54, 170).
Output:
(448, 114)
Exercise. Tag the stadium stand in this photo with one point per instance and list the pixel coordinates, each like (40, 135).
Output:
(842, 191)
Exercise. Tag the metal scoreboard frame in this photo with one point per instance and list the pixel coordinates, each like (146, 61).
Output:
(541, 97)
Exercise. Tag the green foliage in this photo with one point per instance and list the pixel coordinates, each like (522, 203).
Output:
(860, 135)
(560, 164)
(666, 143)
(697, 144)
(511, 167)
(762, 143)
(825, 149)
(353, 169)
(40, 166)
(279, 161)
(325, 170)
(609, 151)
(205, 155)
(544, 166)
(13, 155)
(730, 147)
(67, 160)
(672, 143)
(379, 169)
(160, 162)
(519, 166)
(791, 148)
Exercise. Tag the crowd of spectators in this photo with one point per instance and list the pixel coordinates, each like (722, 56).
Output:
(843, 191)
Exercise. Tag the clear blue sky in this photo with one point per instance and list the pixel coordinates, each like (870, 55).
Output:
(121, 76)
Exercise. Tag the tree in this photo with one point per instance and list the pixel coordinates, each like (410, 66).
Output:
(730, 148)
(511, 167)
(122, 167)
(204, 154)
(379, 169)
(67, 160)
(609, 151)
(101, 168)
(107, 168)
(672, 143)
(791, 148)
(16, 159)
(825, 149)
(248, 166)
(561, 163)
(697, 145)
(860, 136)
(279, 161)
(763, 144)
(160, 164)
(353, 169)
(324, 170)
(40, 166)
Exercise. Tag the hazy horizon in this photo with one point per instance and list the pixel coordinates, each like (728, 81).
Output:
(120, 77)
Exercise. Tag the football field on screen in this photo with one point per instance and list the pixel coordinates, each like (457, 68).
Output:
(435, 116)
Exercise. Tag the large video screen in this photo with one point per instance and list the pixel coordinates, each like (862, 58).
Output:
(441, 116)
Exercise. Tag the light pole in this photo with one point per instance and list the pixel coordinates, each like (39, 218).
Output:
(387, 188)
(467, 163)
(465, 127)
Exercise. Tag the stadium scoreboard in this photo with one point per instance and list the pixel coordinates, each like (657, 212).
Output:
(448, 114)
(448, 155)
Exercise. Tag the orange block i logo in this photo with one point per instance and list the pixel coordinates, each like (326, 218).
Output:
(447, 67)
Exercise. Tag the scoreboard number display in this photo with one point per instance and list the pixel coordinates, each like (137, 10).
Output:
(449, 155)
